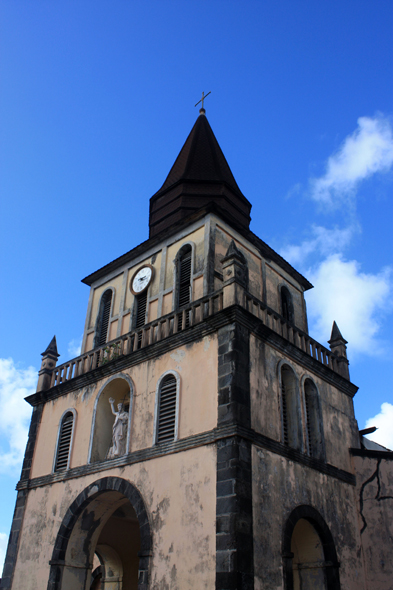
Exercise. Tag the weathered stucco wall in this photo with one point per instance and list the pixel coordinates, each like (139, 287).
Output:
(374, 491)
(279, 486)
(224, 235)
(197, 404)
(179, 494)
(276, 277)
(338, 420)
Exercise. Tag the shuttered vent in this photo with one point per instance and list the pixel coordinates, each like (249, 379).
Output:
(185, 279)
(63, 448)
(308, 421)
(105, 315)
(167, 409)
(284, 415)
(141, 302)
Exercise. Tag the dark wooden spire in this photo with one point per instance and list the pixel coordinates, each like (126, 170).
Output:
(199, 177)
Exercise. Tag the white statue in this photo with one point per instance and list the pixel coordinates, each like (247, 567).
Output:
(119, 431)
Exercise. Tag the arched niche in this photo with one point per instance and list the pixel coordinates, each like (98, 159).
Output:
(107, 520)
(120, 388)
(309, 554)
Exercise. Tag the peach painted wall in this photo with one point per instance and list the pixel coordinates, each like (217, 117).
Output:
(179, 492)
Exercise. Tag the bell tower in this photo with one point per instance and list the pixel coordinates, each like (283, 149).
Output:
(202, 438)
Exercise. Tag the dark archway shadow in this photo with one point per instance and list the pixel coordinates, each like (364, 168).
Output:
(315, 519)
(72, 557)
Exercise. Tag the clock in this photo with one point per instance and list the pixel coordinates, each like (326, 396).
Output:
(141, 279)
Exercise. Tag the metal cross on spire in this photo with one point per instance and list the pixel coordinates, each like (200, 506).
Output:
(202, 99)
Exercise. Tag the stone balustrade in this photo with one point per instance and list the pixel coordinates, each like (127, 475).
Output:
(177, 321)
(155, 331)
(294, 335)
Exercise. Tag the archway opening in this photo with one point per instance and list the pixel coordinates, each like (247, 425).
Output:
(102, 551)
(308, 562)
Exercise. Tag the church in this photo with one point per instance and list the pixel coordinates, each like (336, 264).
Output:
(202, 439)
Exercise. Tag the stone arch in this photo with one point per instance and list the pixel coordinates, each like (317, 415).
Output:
(330, 564)
(75, 544)
(111, 567)
(117, 386)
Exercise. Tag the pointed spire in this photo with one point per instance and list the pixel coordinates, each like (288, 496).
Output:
(51, 348)
(336, 334)
(199, 177)
(339, 349)
(49, 360)
(233, 251)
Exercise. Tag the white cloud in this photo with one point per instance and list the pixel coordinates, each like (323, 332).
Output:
(15, 385)
(356, 301)
(323, 241)
(3, 549)
(74, 347)
(367, 151)
(383, 421)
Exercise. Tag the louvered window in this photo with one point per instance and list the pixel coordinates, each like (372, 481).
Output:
(308, 421)
(184, 297)
(167, 409)
(103, 321)
(313, 416)
(64, 443)
(184, 282)
(284, 415)
(286, 304)
(141, 302)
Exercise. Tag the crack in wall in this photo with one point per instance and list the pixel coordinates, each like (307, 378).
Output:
(378, 497)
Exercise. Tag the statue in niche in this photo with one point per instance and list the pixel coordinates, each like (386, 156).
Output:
(119, 431)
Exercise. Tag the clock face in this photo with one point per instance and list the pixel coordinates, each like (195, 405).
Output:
(141, 279)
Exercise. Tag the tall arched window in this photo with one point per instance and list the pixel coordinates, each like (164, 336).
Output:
(313, 417)
(64, 442)
(103, 318)
(184, 276)
(166, 409)
(183, 286)
(290, 409)
(140, 314)
(287, 305)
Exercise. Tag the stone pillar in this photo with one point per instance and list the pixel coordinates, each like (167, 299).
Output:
(49, 360)
(234, 525)
(235, 273)
(338, 347)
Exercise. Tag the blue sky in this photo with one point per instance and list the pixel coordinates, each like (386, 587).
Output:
(97, 98)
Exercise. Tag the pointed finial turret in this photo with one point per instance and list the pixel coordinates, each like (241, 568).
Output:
(49, 360)
(51, 348)
(336, 334)
(338, 347)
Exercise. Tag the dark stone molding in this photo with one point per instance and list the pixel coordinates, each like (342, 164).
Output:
(234, 523)
(21, 499)
(89, 494)
(313, 517)
(13, 541)
(368, 454)
(197, 440)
